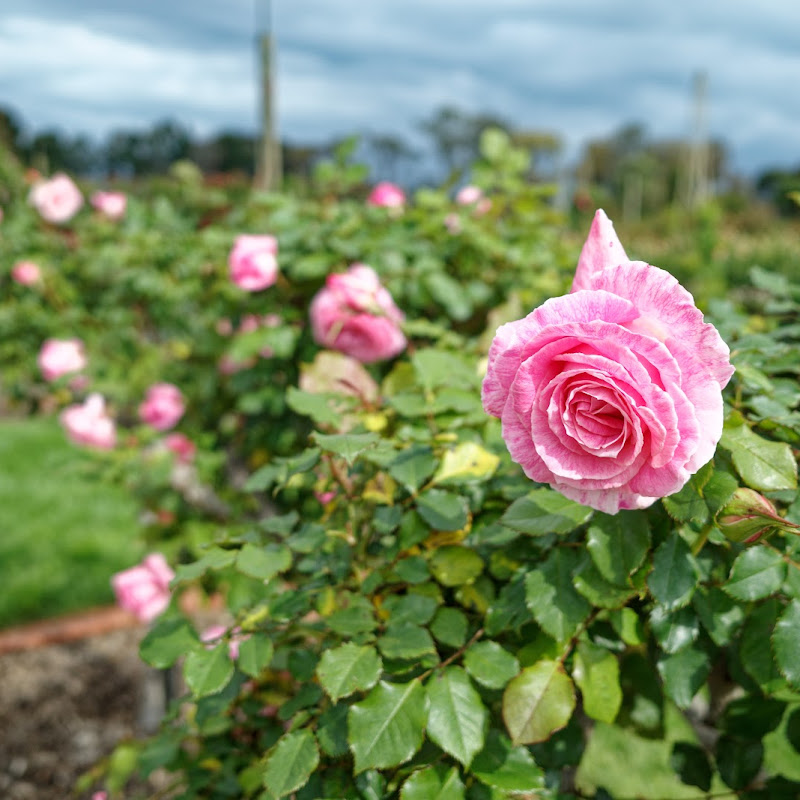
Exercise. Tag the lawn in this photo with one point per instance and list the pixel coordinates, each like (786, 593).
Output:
(63, 532)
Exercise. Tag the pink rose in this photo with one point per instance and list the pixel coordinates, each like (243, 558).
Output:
(468, 195)
(253, 262)
(386, 194)
(111, 204)
(61, 357)
(162, 407)
(453, 223)
(26, 273)
(58, 199)
(214, 634)
(611, 394)
(89, 423)
(181, 446)
(353, 313)
(144, 589)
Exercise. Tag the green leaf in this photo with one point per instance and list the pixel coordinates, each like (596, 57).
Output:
(347, 445)
(347, 669)
(738, 761)
(674, 630)
(411, 607)
(752, 716)
(457, 717)
(291, 763)
(596, 672)
(692, 765)
(720, 615)
(597, 590)
(763, 465)
(255, 654)
(265, 562)
(433, 783)
(449, 293)
(208, 671)
(756, 573)
(618, 544)
(214, 558)
(405, 640)
(490, 664)
(505, 767)
(687, 505)
(412, 467)
(450, 627)
(719, 490)
(315, 406)
(683, 674)
(545, 511)
(539, 701)
(443, 511)
(628, 625)
(453, 565)
(756, 658)
(786, 643)
(674, 576)
(793, 729)
(467, 462)
(551, 597)
(332, 730)
(167, 641)
(413, 569)
(386, 728)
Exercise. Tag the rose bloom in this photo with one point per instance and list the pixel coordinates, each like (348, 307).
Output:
(144, 589)
(59, 357)
(386, 194)
(181, 446)
(253, 262)
(26, 273)
(111, 204)
(58, 199)
(611, 394)
(468, 195)
(162, 407)
(353, 313)
(89, 424)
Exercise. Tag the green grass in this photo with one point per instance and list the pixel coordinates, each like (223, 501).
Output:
(63, 532)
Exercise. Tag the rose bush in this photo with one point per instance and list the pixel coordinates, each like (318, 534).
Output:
(611, 394)
(144, 589)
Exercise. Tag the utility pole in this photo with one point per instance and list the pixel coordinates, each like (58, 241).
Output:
(697, 183)
(269, 170)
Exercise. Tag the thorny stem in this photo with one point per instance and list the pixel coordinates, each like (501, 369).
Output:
(450, 659)
(583, 626)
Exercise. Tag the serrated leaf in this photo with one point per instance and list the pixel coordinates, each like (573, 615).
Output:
(752, 716)
(544, 511)
(468, 461)
(291, 763)
(618, 544)
(450, 626)
(597, 590)
(457, 717)
(674, 576)
(551, 597)
(596, 672)
(674, 630)
(255, 654)
(332, 730)
(385, 729)
(505, 767)
(786, 643)
(214, 558)
(167, 641)
(756, 658)
(454, 565)
(719, 490)
(539, 701)
(433, 783)
(347, 445)
(490, 664)
(263, 563)
(692, 765)
(412, 467)
(683, 674)
(720, 615)
(208, 671)
(406, 640)
(315, 406)
(756, 573)
(687, 505)
(738, 761)
(348, 669)
(763, 465)
(442, 510)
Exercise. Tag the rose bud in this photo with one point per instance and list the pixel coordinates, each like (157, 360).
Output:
(749, 517)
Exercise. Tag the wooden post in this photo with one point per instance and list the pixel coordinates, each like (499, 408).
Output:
(269, 170)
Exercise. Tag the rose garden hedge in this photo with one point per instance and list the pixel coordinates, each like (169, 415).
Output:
(410, 615)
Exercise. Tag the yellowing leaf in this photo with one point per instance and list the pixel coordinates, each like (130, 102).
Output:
(466, 462)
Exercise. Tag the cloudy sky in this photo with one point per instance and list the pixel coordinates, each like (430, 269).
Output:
(580, 68)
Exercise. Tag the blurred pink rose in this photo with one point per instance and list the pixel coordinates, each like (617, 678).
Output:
(111, 204)
(26, 273)
(386, 194)
(325, 497)
(58, 199)
(162, 407)
(611, 394)
(61, 357)
(249, 323)
(468, 195)
(253, 262)
(214, 633)
(228, 365)
(100, 796)
(89, 423)
(453, 223)
(224, 326)
(144, 589)
(353, 313)
(181, 446)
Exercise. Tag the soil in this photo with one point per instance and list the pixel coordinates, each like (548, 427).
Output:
(63, 707)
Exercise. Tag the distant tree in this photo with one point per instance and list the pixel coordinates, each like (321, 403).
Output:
(544, 148)
(150, 152)
(228, 151)
(52, 151)
(10, 131)
(389, 156)
(776, 185)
